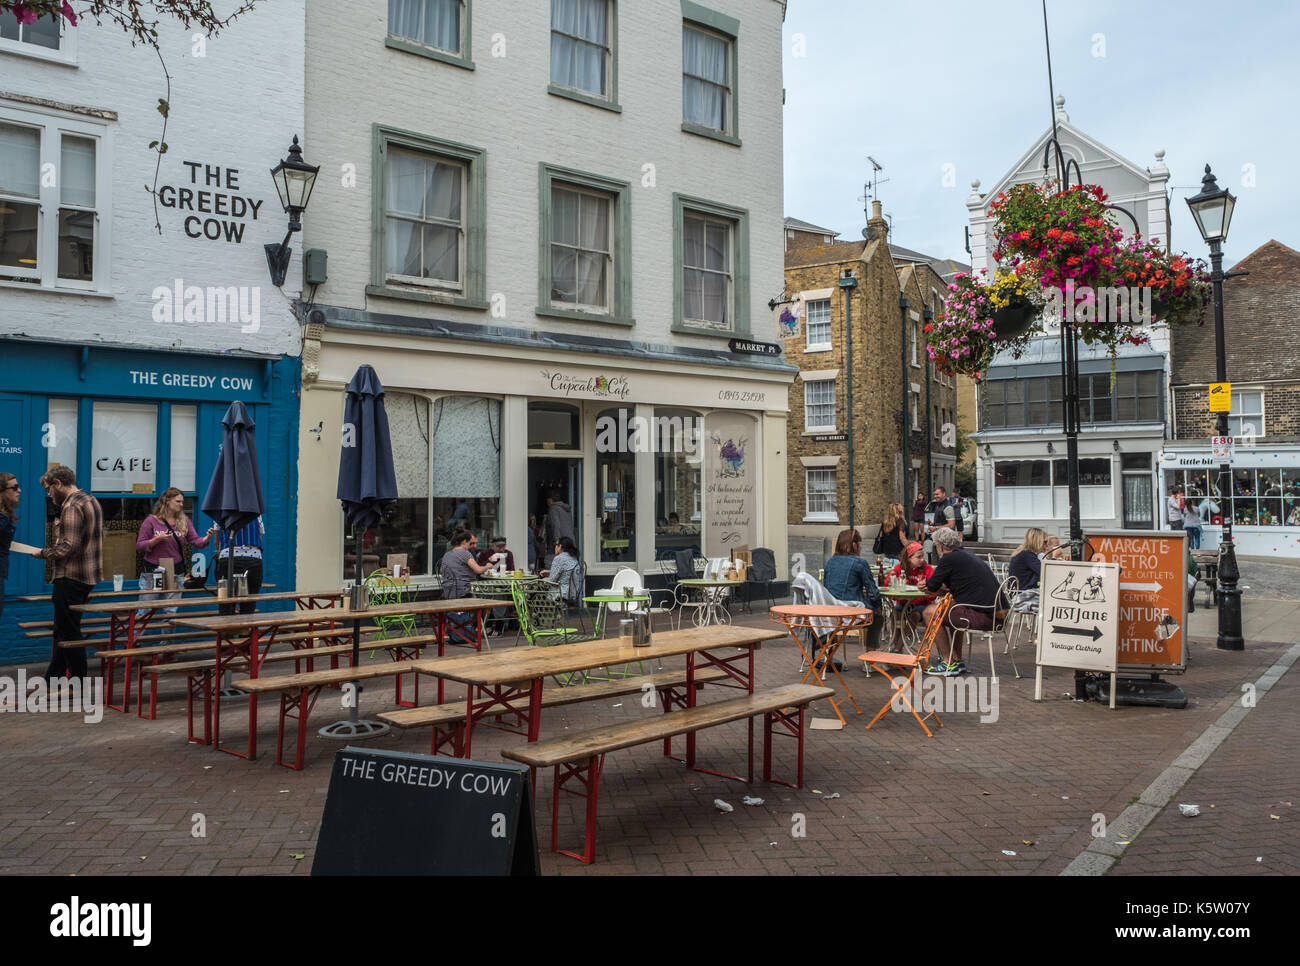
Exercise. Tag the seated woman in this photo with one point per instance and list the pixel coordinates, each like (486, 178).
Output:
(848, 577)
(1026, 566)
(565, 571)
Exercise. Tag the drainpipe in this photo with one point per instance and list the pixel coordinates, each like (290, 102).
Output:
(847, 284)
(903, 306)
(927, 316)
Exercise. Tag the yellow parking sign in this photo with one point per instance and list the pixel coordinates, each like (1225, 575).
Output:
(1220, 397)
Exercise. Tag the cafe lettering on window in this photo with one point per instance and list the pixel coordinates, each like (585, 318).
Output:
(218, 211)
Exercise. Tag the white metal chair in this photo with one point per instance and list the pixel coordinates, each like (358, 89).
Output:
(1024, 614)
(999, 610)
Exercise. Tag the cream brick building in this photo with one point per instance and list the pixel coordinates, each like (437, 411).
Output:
(535, 226)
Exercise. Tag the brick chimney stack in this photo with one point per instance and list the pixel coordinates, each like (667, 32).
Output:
(877, 227)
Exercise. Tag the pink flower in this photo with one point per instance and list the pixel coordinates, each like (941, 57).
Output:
(25, 14)
(68, 13)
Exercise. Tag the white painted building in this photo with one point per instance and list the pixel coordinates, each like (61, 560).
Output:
(126, 329)
(1020, 443)
(539, 215)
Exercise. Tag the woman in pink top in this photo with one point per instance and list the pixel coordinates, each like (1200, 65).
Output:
(164, 532)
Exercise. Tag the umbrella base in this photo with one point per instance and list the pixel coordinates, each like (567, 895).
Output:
(349, 730)
(229, 693)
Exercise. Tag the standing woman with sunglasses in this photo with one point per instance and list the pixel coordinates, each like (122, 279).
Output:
(10, 493)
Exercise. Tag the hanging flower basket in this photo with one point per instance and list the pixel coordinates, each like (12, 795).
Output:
(1014, 320)
(1065, 244)
(980, 320)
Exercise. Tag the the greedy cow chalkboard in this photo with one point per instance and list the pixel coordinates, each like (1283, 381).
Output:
(395, 813)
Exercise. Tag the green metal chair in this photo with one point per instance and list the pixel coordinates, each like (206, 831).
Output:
(384, 590)
(543, 620)
(499, 618)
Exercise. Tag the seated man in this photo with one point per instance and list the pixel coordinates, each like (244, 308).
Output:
(494, 553)
(971, 582)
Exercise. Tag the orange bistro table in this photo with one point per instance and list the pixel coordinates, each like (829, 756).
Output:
(815, 618)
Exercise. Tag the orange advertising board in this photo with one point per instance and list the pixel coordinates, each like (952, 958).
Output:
(1152, 594)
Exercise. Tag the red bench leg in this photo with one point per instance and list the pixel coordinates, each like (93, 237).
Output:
(453, 735)
(788, 721)
(292, 705)
(193, 681)
(586, 774)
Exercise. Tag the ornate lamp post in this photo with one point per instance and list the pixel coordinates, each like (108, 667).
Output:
(294, 180)
(1212, 209)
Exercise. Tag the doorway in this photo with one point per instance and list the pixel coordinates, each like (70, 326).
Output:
(1139, 494)
(562, 475)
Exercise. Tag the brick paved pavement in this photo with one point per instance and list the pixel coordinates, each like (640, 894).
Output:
(122, 796)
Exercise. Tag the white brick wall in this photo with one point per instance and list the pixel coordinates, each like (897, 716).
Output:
(238, 106)
(503, 106)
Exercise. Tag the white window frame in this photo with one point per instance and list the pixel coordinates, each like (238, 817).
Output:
(728, 110)
(821, 516)
(1235, 412)
(810, 345)
(611, 242)
(66, 54)
(915, 340)
(822, 380)
(445, 285)
(729, 323)
(52, 127)
(460, 50)
(610, 70)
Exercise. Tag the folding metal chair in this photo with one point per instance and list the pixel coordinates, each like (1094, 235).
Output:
(999, 611)
(913, 664)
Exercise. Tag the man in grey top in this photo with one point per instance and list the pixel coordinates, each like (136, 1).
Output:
(559, 522)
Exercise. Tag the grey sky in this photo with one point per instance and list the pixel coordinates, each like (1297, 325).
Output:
(919, 85)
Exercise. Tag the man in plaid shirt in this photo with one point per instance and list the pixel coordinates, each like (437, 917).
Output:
(77, 552)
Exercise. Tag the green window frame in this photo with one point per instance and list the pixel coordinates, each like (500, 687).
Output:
(619, 284)
(472, 292)
(738, 218)
(696, 17)
(609, 102)
(459, 58)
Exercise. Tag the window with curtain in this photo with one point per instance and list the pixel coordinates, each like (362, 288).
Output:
(424, 219)
(819, 405)
(706, 271)
(466, 469)
(77, 208)
(20, 166)
(404, 527)
(706, 79)
(581, 248)
(817, 321)
(434, 23)
(581, 49)
(49, 232)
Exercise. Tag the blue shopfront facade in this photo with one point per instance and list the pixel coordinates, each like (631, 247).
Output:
(133, 422)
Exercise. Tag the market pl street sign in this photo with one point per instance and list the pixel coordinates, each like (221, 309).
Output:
(1220, 396)
(1152, 594)
(396, 813)
(1078, 618)
(745, 347)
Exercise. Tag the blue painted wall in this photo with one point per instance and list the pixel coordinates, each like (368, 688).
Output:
(33, 372)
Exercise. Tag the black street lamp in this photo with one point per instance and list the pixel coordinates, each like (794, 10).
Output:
(294, 180)
(1212, 209)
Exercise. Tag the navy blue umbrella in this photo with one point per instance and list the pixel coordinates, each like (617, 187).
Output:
(367, 484)
(234, 497)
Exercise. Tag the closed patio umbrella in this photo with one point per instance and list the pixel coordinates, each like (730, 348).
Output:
(367, 484)
(234, 496)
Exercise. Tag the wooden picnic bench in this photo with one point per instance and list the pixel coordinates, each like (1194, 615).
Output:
(581, 757)
(448, 720)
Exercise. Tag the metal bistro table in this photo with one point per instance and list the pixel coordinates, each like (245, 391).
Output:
(128, 619)
(896, 621)
(836, 622)
(251, 635)
(712, 609)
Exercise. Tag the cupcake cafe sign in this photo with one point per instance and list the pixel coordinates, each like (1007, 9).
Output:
(581, 384)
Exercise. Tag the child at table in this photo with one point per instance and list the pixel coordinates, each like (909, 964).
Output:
(915, 572)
